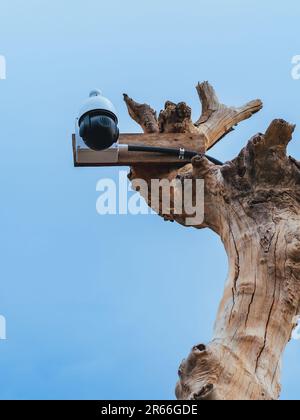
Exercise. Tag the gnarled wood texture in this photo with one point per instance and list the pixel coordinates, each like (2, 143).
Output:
(253, 204)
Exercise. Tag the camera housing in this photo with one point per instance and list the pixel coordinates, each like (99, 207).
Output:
(98, 122)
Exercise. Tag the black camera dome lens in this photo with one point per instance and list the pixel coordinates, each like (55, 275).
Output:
(98, 131)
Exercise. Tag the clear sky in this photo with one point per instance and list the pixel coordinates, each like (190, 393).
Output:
(107, 307)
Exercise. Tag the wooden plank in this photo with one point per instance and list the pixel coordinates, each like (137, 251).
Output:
(187, 141)
(89, 158)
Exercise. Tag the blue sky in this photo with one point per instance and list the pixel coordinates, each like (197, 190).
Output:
(107, 307)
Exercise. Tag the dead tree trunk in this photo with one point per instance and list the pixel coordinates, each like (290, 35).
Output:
(252, 203)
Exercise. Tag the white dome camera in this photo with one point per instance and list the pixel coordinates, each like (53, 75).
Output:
(98, 122)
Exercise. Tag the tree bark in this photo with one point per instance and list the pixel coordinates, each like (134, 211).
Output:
(253, 204)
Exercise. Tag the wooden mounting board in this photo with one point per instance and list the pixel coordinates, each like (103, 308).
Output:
(89, 158)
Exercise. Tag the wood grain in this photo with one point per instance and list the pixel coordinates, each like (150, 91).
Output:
(253, 204)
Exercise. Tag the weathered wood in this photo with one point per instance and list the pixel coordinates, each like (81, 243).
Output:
(187, 141)
(253, 204)
(257, 215)
(217, 119)
(215, 122)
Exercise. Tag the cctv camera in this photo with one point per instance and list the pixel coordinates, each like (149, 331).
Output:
(98, 122)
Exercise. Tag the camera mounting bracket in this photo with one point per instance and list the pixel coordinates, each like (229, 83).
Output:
(118, 154)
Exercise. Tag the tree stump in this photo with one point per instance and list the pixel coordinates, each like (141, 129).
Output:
(253, 204)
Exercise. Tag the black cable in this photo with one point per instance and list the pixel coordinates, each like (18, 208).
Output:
(180, 153)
